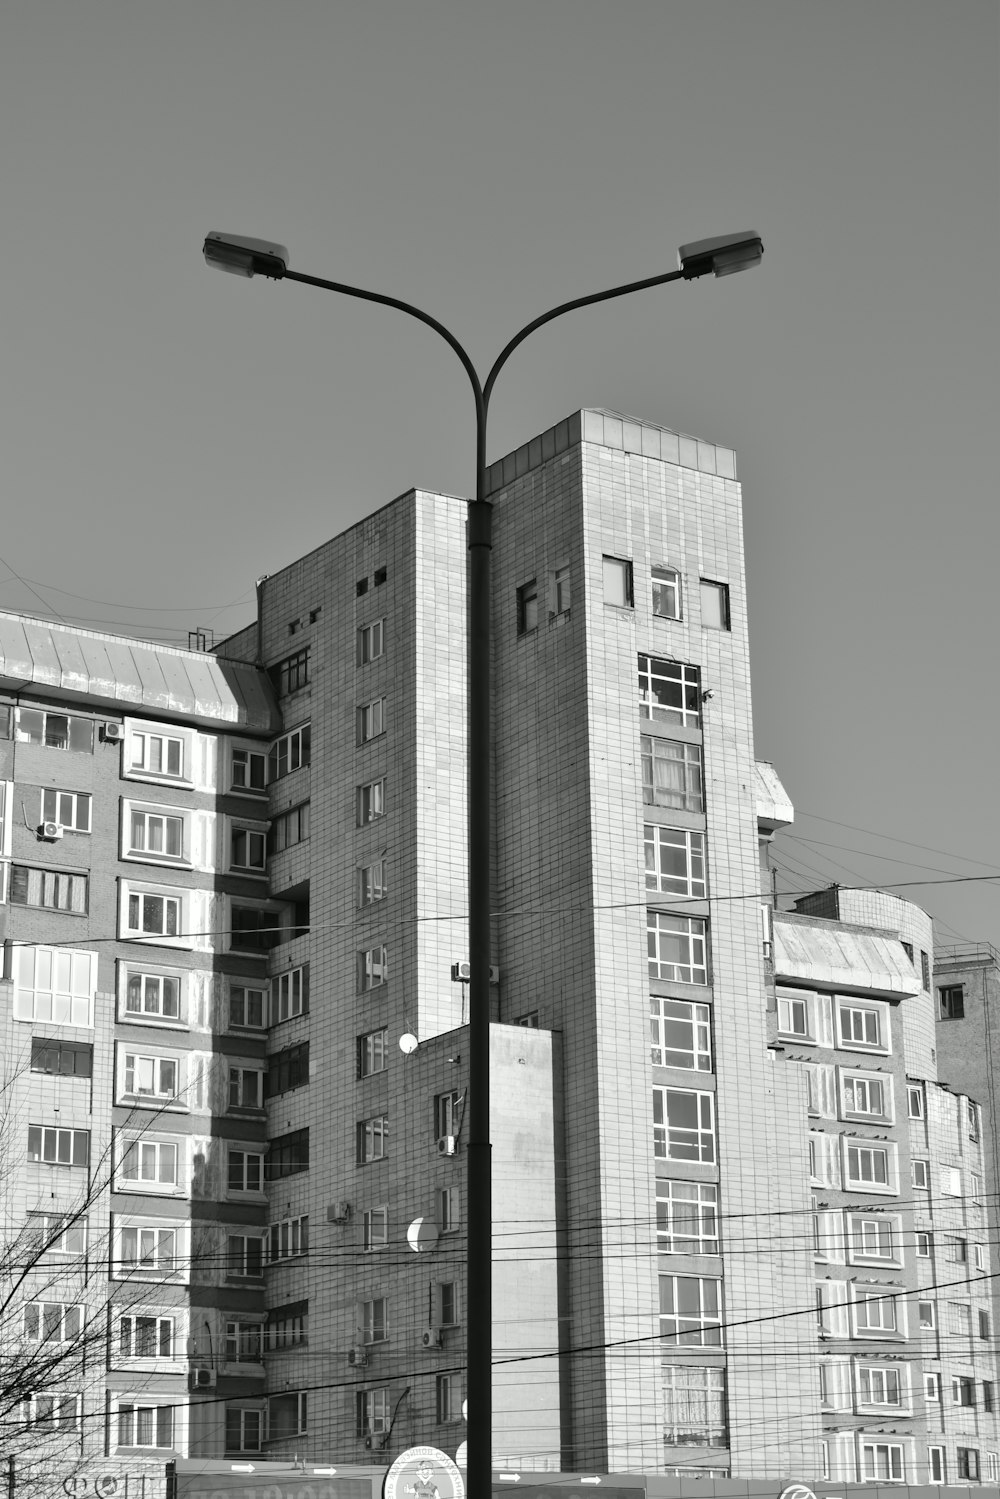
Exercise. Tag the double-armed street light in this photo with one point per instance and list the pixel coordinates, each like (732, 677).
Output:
(722, 256)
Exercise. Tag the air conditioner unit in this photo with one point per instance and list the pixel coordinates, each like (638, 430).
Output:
(461, 972)
(202, 1378)
(338, 1212)
(112, 733)
(357, 1356)
(369, 1442)
(51, 831)
(432, 1337)
(448, 1145)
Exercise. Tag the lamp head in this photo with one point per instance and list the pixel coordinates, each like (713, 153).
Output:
(723, 256)
(245, 257)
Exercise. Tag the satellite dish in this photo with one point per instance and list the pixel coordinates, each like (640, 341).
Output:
(462, 1456)
(408, 1043)
(422, 1234)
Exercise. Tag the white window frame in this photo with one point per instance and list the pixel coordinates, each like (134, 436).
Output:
(54, 984)
(154, 1062)
(448, 1209)
(144, 753)
(243, 1341)
(160, 1245)
(254, 835)
(250, 754)
(149, 814)
(373, 1052)
(668, 590)
(677, 679)
(687, 767)
(131, 1359)
(869, 1226)
(287, 1239)
(562, 590)
(144, 1151)
(936, 1465)
(678, 1142)
(373, 968)
(370, 800)
(796, 1014)
(151, 986)
(20, 737)
(56, 1141)
(66, 891)
(371, 641)
(690, 931)
(56, 1243)
(371, 720)
(240, 1075)
(289, 994)
(373, 1320)
(173, 896)
(932, 1387)
(920, 1174)
(881, 1380)
(251, 1427)
(53, 1418)
(856, 1146)
(701, 1330)
(659, 842)
(664, 1014)
(37, 1321)
(618, 582)
(687, 1216)
(243, 1271)
(895, 1453)
(67, 808)
(372, 882)
(847, 1041)
(889, 1300)
(915, 1101)
(709, 588)
(250, 1168)
(137, 1405)
(856, 1088)
(373, 1411)
(375, 1229)
(245, 990)
(301, 1427)
(923, 1244)
(372, 1139)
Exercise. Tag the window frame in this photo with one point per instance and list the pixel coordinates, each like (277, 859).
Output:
(157, 1095)
(850, 1006)
(174, 820)
(132, 1315)
(289, 991)
(699, 1021)
(860, 1145)
(249, 755)
(718, 592)
(78, 802)
(375, 1229)
(662, 587)
(287, 1239)
(690, 843)
(51, 740)
(46, 1146)
(371, 641)
(253, 861)
(620, 570)
(291, 673)
(951, 1002)
(163, 1257)
(698, 1334)
(862, 1082)
(373, 1058)
(372, 1139)
(134, 897)
(677, 679)
(373, 968)
(701, 1210)
(371, 795)
(371, 720)
(146, 735)
(682, 1142)
(691, 795)
(528, 607)
(142, 1147)
(147, 984)
(42, 880)
(290, 752)
(690, 930)
(137, 1405)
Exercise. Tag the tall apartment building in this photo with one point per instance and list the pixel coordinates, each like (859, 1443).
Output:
(236, 931)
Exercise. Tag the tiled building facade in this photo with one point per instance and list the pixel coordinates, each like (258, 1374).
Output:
(269, 941)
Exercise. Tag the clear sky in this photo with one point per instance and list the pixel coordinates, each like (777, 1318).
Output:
(169, 434)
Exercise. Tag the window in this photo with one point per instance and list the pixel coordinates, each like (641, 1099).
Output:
(795, 1016)
(376, 1228)
(952, 1002)
(287, 1415)
(146, 1247)
(956, 1251)
(963, 1390)
(288, 1155)
(151, 915)
(677, 947)
(362, 587)
(157, 754)
(245, 1256)
(915, 1102)
(527, 608)
(290, 752)
(694, 1406)
(61, 1058)
(288, 1069)
(52, 1412)
(687, 1220)
(951, 1181)
(58, 1147)
(824, 1163)
(683, 1125)
(873, 1311)
(448, 1303)
(145, 1425)
(561, 591)
(960, 1319)
(972, 1120)
(151, 1164)
(244, 1429)
(71, 809)
(860, 1025)
(449, 1209)
(680, 1033)
(288, 1326)
(821, 1089)
(926, 1316)
(50, 888)
(920, 1175)
(908, 949)
(253, 929)
(246, 1171)
(379, 576)
(54, 983)
(288, 1239)
(988, 1395)
(865, 1096)
(372, 882)
(975, 1189)
(248, 850)
(289, 994)
(714, 605)
(373, 1135)
(152, 995)
(530, 1020)
(924, 1244)
(873, 1237)
(150, 1077)
(248, 770)
(55, 730)
(932, 1388)
(373, 1052)
(291, 674)
(671, 774)
(373, 970)
(925, 971)
(618, 582)
(52, 1322)
(984, 1324)
(447, 1114)
(666, 592)
(373, 1321)
(882, 1461)
(372, 1408)
(675, 861)
(247, 1008)
(155, 835)
(691, 1310)
(968, 1462)
(992, 1467)
(243, 1342)
(371, 642)
(448, 1398)
(146, 1336)
(869, 1166)
(371, 802)
(289, 828)
(879, 1385)
(371, 720)
(669, 691)
(935, 1464)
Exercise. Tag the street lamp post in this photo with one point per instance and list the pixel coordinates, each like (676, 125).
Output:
(722, 256)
